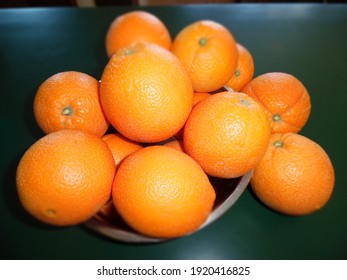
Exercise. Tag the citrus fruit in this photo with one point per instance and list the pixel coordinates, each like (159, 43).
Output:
(146, 93)
(120, 146)
(244, 70)
(176, 144)
(227, 134)
(135, 26)
(208, 51)
(285, 99)
(65, 177)
(162, 192)
(69, 100)
(197, 97)
(295, 176)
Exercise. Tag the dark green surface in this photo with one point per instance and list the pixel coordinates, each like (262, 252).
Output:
(308, 41)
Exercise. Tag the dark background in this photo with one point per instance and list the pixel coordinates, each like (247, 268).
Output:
(51, 3)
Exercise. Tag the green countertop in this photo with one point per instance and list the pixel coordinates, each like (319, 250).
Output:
(306, 40)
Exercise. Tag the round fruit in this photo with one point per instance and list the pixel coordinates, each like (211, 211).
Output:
(295, 177)
(208, 51)
(146, 93)
(162, 192)
(70, 100)
(120, 146)
(227, 134)
(197, 97)
(284, 98)
(175, 144)
(244, 70)
(136, 26)
(65, 177)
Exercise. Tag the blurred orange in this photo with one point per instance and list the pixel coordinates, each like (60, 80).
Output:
(136, 26)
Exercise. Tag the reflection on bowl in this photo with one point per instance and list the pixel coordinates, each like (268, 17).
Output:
(109, 223)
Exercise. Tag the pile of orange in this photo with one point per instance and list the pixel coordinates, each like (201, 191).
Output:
(165, 116)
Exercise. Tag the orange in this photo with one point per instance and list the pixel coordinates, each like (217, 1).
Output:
(227, 134)
(162, 192)
(295, 177)
(208, 51)
(197, 97)
(120, 146)
(69, 100)
(244, 70)
(146, 93)
(284, 98)
(176, 144)
(136, 26)
(65, 177)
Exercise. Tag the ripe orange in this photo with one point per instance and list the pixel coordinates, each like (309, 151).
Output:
(70, 100)
(136, 26)
(227, 134)
(197, 97)
(285, 99)
(120, 146)
(244, 70)
(162, 192)
(65, 177)
(176, 144)
(295, 177)
(208, 51)
(146, 93)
